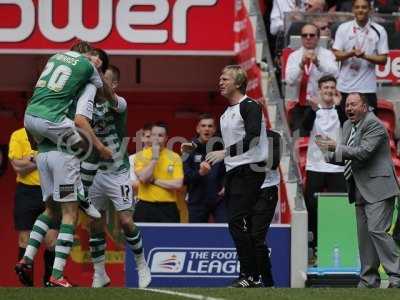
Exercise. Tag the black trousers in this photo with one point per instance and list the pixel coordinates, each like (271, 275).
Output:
(156, 212)
(261, 218)
(371, 98)
(318, 182)
(242, 188)
(201, 212)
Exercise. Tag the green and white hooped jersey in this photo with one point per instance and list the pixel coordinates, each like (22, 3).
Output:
(64, 75)
(109, 125)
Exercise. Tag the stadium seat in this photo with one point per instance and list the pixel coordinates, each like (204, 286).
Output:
(301, 146)
(386, 113)
(396, 162)
(393, 148)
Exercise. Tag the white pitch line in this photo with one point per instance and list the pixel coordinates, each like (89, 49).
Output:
(185, 295)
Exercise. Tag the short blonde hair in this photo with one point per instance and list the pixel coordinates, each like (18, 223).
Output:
(239, 76)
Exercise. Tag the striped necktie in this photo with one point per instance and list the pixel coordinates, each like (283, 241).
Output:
(350, 142)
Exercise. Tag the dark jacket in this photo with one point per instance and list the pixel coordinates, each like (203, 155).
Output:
(203, 189)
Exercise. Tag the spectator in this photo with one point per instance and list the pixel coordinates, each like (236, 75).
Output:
(359, 45)
(28, 199)
(343, 5)
(324, 119)
(246, 148)
(315, 6)
(145, 142)
(323, 24)
(307, 64)
(372, 185)
(204, 182)
(279, 8)
(303, 69)
(160, 173)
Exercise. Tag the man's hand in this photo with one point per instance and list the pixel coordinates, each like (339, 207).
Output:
(313, 102)
(188, 147)
(105, 153)
(205, 168)
(337, 98)
(221, 193)
(155, 147)
(215, 157)
(359, 53)
(325, 143)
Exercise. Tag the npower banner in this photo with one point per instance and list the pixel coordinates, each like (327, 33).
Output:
(201, 255)
(119, 26)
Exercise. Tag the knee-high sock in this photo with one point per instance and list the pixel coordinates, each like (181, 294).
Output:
(134, 240)
(97, 244)
(65, 239)
(88, 172)
(39, 230)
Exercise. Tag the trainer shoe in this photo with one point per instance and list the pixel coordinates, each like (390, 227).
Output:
(60, 282)
(89, 209)
(246, 282)
(143, 269)
(100, 280)
(25, 272)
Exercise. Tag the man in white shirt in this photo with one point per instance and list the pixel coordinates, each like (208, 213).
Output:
(322, 118)
(359, 46)
(308, 63)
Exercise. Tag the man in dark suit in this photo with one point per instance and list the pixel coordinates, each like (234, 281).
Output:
(372, 185)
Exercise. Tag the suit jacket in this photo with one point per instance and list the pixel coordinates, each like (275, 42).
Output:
(371, 161)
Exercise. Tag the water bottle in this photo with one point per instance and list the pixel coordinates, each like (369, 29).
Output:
(336, 256)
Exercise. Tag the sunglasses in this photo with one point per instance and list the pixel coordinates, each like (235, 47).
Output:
(308, 35)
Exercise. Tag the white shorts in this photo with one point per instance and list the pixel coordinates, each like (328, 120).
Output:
(114, 187)
(60, 133)
(60, 176)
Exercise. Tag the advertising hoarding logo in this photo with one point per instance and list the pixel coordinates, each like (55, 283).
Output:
(193, 262)
(168, 262)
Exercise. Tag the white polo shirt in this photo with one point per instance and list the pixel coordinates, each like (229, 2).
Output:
(357, 74)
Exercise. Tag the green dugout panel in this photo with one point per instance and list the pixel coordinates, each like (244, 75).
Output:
(337, 227)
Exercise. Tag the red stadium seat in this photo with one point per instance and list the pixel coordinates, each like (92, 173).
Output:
(396, 162)
(290, 104)
(301, 146)
(386, 113)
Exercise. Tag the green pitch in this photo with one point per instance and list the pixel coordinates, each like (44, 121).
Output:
(197, 293)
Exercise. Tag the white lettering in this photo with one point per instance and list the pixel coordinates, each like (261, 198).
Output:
(396, 67)
(202, 267)
(127, 21)
(179, 20)
(190, 267)
(26, 26)
(75, 27)
(386, 69)
(392, 67)
(125, 18)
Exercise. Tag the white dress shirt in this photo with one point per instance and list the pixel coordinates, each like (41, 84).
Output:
(327, 66)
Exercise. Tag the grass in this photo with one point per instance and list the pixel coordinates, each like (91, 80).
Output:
(220, 293)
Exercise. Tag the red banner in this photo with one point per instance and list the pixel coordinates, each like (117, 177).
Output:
(391, 71)
(118, 26)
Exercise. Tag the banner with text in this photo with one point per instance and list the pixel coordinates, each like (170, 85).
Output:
(119, 26)
(195, 255)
